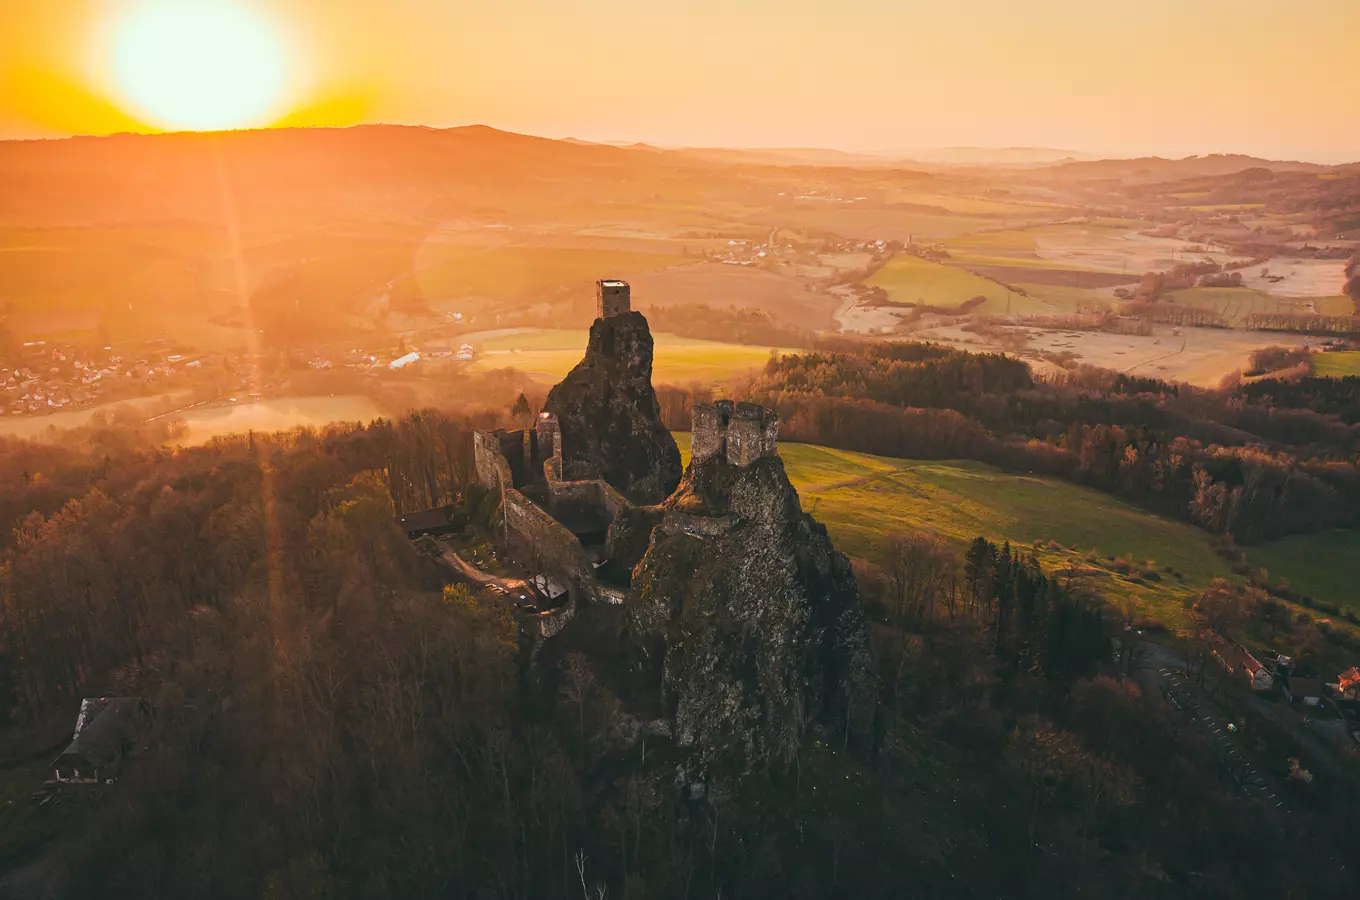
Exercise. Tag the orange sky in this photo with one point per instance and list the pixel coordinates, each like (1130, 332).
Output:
(1115, 76)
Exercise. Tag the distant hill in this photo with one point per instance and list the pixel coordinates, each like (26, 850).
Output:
(400, 171)
(992, 156)
(788, 156)
(1152, 169)
(1001, 157)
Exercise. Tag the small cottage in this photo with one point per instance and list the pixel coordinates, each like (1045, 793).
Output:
(1304, 691)
(103, 735)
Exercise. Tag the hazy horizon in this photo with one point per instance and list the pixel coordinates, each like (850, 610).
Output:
(935, 154)
(1154, 78)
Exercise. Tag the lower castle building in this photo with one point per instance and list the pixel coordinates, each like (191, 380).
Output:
(740, 433)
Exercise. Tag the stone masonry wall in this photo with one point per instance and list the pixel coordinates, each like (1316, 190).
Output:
(612, 298)
(535, 536)
(489, 461)
(739, 432)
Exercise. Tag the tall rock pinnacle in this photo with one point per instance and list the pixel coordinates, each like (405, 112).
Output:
(609, 416)
(746, 613)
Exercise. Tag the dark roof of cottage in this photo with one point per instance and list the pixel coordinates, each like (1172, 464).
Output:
(1305, 687)
(101, 727)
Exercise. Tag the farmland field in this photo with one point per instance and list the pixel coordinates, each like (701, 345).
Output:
(547, 355)
(717, 285)
(525, 274)
(910, 279)
(1234, 304)
(876, 223)
(1337, 365)
(1302, 278)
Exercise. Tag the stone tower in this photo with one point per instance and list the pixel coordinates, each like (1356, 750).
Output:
(740, 433)
(611, 298)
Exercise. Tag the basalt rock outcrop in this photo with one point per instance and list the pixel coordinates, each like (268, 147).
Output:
(609, 416)
(749, 618)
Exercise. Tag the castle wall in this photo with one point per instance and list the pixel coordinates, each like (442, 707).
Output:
(741, 433)
(535, 536)
(549, 436)
(518, 449)
(489, 462)
(550, 623)
(704, 433)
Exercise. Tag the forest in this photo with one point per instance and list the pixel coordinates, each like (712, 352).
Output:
(326, 717)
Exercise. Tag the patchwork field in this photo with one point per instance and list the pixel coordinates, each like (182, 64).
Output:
(1233, 305)
(910, 279)
(877, 223)
(1199, 356)
(717, 285)
(1302, 278)
(522, 274)
(547, 355)
(1120, 250)
(1108, 246)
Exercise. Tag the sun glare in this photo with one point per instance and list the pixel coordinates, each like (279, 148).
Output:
(199, 65)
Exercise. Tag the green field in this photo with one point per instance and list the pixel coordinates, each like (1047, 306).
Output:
(1234, 305)
(1325, 566)
(862, 499)
(1059, 300)
(1018, 242)
(548, 354)
(1337, 365)
(910, 279)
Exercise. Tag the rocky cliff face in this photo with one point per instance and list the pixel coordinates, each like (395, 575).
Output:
(609, 416)
(750, 618)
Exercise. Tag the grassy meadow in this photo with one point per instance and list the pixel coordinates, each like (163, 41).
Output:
(1325, 566)
(1233, 304)
(1337, 365)
(910, 279)
(863, 499)
(1075, 530)
(548, 354)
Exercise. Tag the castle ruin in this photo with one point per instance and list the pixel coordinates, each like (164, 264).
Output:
(734, 601)
(562, 516)
(740, 433)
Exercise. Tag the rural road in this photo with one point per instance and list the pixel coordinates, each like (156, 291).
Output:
(470, 573)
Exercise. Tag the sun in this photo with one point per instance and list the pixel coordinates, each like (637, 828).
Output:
(199, 65)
